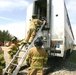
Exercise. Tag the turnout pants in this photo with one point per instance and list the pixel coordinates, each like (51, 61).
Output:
(30, 35)
(35, 71)
(1, 71)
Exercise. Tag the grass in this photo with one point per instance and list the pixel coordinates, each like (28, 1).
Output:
(73, 56)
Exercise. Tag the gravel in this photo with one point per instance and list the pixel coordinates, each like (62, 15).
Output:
(65, 68)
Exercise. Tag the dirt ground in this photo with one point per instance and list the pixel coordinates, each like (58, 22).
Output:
(6, 56)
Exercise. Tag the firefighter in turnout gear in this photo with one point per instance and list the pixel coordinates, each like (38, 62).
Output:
(37, 58)
(32, 29)
(12, 49)
(2, 61)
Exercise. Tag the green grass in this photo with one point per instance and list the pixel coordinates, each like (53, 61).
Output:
(73, 57)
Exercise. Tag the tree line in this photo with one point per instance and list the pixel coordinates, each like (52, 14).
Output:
(5, 36)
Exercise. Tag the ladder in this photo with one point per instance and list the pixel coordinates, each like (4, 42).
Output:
(18, 66)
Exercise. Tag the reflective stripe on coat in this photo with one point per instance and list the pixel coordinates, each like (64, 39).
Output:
(36, 57)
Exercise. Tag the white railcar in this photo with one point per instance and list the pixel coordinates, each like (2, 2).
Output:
(58, 35)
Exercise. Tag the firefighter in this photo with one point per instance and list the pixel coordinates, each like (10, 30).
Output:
(37, 58)
(32, 29)
(12, 49)
(2, 61)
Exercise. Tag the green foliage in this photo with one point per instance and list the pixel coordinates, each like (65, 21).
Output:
(73, 56)
(5, 35)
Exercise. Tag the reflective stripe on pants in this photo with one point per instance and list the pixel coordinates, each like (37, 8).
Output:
(35, 71)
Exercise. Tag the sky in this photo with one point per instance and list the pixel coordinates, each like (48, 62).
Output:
(13, 16)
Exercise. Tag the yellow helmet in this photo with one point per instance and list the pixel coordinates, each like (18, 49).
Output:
(14, 38)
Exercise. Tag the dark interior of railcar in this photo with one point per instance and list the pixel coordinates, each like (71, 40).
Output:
(40, 8)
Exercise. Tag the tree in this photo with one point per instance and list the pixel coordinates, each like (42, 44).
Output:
(5, 35)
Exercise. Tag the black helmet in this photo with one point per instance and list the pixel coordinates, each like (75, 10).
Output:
(38, 42)
(14, 38)
(34, 16)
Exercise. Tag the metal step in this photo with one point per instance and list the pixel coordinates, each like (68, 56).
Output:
(7, 73)
(13, 64)
(23, 50)
(46, 28)
(18, 57)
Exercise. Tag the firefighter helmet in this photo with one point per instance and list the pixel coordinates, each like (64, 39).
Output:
(14, 38)
(34, 16)
(38, 42)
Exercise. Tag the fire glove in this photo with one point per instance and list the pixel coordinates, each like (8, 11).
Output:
(43, 18)
(23, 42)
